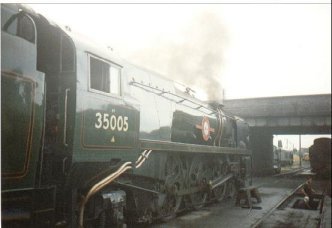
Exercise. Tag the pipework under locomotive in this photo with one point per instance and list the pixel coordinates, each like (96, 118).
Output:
(89, 139)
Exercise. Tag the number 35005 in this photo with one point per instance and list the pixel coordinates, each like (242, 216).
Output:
(111, 122)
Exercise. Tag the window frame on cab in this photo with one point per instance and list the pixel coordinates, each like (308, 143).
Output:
(111, 65)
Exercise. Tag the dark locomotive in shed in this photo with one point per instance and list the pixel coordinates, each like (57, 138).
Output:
(320, 157)
(90, 140)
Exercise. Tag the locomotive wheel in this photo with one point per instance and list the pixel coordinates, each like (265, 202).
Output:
(173, 183)
(170, 207)
(219, 169)
(198, 177)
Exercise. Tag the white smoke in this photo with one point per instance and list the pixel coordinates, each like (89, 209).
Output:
(196, 59)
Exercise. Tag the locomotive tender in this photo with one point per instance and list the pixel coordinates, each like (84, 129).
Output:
(89, 139)
(320, 157)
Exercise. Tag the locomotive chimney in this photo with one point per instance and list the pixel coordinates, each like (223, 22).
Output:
(216, 103)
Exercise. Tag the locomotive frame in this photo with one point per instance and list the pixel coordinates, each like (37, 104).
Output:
(101, 140)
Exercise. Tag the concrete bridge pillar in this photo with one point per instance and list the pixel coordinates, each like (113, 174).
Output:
(261, 140)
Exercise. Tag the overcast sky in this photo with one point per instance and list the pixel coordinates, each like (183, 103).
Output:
(258, 50)
(249, 50)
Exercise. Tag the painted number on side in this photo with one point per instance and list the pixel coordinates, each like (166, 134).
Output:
(112, 122)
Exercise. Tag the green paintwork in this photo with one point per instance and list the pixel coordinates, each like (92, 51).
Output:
(173, 147)
(16, 123)
(88, 131)
(109, 126)
(22, 111)
(106, 126)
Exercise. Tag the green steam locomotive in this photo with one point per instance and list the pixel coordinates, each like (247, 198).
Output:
(88, 139)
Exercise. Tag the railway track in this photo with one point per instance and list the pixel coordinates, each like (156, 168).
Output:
(287, 213)
(259, 222)
(278, 196)
(292, 172)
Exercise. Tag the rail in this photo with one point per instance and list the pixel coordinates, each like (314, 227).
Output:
(266, 215)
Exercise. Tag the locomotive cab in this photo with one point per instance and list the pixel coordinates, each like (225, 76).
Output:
(59, 121)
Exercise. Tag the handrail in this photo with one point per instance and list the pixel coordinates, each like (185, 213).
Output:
(65, 118)
(161, 92)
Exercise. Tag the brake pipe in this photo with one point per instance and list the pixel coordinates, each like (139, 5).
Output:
(145, 156)
(107, 180)
(140, 157)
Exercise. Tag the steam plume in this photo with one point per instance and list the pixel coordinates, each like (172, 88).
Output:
(195, 59)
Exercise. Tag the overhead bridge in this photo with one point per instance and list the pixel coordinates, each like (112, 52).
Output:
(305, 114)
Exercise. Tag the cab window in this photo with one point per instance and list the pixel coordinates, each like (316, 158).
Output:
(21, 25)
(104, 76)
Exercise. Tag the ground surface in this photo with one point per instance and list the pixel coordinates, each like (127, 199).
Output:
(225, 214)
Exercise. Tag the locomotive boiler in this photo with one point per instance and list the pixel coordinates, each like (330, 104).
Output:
(90, 140)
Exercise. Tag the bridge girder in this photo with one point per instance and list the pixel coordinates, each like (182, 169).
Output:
(309, 114)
